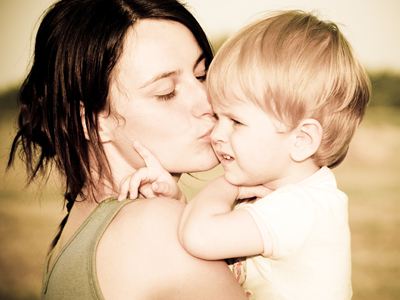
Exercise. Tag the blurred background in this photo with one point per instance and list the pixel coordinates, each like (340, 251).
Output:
(370, 175)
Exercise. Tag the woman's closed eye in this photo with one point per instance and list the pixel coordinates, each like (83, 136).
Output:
(165, 90)
(200, 70)
(166, 97)
(202, 78)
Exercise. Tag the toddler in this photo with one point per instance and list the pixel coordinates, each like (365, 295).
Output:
(288, 94)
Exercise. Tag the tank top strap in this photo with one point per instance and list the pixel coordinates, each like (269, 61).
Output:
(73, 271)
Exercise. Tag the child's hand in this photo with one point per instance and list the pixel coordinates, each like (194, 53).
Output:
(248, 192)
(151, 181)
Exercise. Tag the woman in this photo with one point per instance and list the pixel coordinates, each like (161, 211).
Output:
(106, 73)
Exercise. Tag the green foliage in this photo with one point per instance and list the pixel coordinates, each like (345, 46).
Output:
(385, 88)
(8, 99)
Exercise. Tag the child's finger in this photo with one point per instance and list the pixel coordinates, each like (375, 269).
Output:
(160, 188)
(253, 191)
(183, 199)
(166, 190)
(150, 160)
(135, 181)
(124, 189)
(122, 196)
(147, 192)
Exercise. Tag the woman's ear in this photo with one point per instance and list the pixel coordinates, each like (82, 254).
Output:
(307, 139)
(83, 120)
(104, 126)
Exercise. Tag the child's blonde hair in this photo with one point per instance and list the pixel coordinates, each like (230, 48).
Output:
(295, 66)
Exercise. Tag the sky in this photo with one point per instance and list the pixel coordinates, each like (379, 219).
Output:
(372, 27)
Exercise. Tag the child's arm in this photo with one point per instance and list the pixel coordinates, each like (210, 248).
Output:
(151, 181)
(209, 229)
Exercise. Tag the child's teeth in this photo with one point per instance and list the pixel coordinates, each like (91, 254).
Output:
(227, 157)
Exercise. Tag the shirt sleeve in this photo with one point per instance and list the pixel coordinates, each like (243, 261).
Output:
(288, 215)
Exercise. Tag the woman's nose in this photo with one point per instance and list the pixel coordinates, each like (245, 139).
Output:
(201, 105)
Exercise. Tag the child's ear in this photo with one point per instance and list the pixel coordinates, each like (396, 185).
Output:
(104, 128)
(307, 138)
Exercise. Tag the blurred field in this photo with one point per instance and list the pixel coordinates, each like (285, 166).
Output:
(370, 176)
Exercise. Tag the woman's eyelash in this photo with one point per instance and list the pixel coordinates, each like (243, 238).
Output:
(202, 78)
(166, 97)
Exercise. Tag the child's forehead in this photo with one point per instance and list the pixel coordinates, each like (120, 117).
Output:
(225, 106)
(227, 100)
(233, 107)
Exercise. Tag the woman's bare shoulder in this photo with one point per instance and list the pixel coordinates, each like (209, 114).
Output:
(145, 220)
(156, 216)
(159, 207)
(141, 248)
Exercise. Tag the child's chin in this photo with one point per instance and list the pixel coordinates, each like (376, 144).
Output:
(235, 180)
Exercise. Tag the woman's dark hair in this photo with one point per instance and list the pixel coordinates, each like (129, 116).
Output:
(77, 47)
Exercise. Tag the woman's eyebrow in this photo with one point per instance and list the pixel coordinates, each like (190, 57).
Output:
(168, 74)
(158, 77)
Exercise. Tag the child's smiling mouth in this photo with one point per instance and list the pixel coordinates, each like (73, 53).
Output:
(227, 157)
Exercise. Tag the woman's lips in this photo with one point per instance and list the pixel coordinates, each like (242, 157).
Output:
(206, 136)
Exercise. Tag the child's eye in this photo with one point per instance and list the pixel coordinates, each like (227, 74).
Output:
(215, 116)
(166, 97)
(236, 122)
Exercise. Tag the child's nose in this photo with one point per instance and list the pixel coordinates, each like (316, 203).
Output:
(218, 135)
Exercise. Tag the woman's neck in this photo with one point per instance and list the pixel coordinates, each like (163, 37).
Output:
(103, 189)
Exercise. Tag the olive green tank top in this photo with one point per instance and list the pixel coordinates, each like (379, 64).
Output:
(73, 272)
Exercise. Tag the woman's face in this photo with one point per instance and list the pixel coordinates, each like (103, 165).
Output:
(158, 93)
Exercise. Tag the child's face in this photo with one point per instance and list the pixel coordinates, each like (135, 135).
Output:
(249, 147)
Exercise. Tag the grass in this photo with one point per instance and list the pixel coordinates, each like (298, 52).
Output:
(370, 176)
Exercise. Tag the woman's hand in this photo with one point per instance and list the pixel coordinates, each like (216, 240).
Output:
(150, 181)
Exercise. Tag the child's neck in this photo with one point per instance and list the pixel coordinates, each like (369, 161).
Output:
(296, 173)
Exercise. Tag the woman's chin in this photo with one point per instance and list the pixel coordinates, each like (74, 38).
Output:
(208, 166)
(198, 164)
(209, 162)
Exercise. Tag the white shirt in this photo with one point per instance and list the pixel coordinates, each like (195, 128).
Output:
(311, 256)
